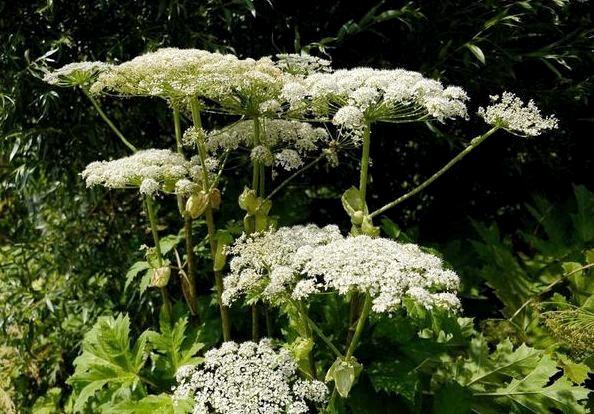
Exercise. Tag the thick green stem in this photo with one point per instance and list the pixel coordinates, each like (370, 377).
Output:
(473, 144)
(108, 121)
(150, 209)
(319, 332)
(363, 174)
(189, 283)
(210, 224)
(360, 325)
(309, 335)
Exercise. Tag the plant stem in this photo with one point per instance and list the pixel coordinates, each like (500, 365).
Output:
(360, 325)
(257, 186)
(473, 144)
(210, 224)
(363, 175)
(255, 323)
(189, 284)
(153, 223)
(319, 332)
(108, 121)
(308, 333)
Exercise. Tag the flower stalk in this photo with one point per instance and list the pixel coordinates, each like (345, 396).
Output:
(473, 144)
(189, 283)
(210, 223)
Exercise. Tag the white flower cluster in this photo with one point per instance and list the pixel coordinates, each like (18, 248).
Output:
(222, 80)
(265, 263)
(248, 378)
(299, 261)
(149, 170)
(389, 271)
(75, 74)
(509, 112)
(302, 63)
(282, 143)
(375, 95)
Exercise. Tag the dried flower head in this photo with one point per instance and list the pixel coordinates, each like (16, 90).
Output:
(510, 113)
(148, 170)
(76, 74)
(248, 378)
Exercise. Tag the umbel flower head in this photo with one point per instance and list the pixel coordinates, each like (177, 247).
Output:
(76, 74)
(297, 262)
(248, 378)
(264, 265)
(238, 86)
(282, 143)
(510, 113)
(302, 63)
(149, 170)
(353, 97)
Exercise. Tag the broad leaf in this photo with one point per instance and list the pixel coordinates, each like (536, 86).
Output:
(107, 360)
(174, 347)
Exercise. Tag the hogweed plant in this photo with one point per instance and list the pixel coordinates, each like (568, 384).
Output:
(282, 112)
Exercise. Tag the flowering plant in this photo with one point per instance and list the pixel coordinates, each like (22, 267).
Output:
(285, 115)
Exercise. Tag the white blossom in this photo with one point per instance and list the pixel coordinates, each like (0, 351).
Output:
(387, 270)
(394, 95)
(302, 63)
(248, 378)
(510, 112)
(281, 143)
(297, 262)
(265, 263)
(149, 170)
(75, 74)
(238, 86)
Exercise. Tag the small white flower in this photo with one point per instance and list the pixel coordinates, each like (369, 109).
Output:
(75, 74)
(248, 378)
(510, 113)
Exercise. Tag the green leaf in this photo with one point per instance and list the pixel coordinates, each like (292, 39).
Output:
(107, 360)
(395, 377)
(353, 204)
(452, 399)
(531, 395)
(162, 404)
(134, 270)
(48, 403)
(508, 380)
(174, 347)
(167, 243)
(344, 372)
(476, 51)
(576, 372)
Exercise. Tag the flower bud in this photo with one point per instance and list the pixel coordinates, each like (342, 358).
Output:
(368, 228)
(196, 204)
(160, 276)
(248, 201)
(214, 198)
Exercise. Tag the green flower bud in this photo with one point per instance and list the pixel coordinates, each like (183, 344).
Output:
(160, 276)
(196, 204)
(248, 201)
(368, 228)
